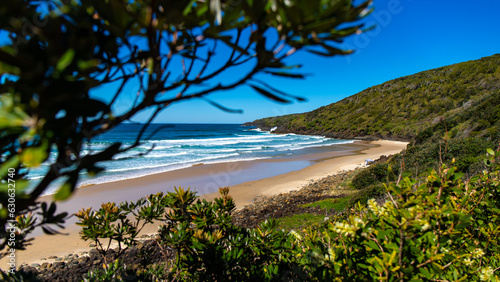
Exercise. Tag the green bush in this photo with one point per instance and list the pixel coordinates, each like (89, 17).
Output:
(207, 246)
(444, 229)
(363, 195)
(467, 152)
(372, 175)
(121, 223)
(210, 248)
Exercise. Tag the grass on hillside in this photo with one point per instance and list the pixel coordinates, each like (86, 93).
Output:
(300, 221)
(337, 203)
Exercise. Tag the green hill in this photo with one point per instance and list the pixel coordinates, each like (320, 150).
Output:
(466, 95)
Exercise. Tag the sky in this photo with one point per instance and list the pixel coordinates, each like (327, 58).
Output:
(410, 36)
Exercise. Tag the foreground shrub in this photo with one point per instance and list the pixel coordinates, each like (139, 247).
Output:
(119, 223)
(210, 248)
(206, 244)
(444, 229)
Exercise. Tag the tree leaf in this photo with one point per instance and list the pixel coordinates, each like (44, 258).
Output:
(321, 53)
(65, 60)
(10, 163)
(223, 108)
(336, 51)
(285, 74)
(298, 98)
(34, 156)
(269, 95)
(64, 192)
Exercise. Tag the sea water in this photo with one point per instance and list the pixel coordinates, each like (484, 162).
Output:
(166, 147)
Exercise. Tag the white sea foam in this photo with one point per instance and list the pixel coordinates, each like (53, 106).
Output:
(164, 155)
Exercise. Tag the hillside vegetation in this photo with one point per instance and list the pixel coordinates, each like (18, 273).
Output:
(465, 95)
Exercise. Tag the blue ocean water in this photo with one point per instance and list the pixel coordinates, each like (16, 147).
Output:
(176, 146)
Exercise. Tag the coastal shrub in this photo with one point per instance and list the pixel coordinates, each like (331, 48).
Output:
(119, 223)
(467, 152)
(372, 175)
(118, 271)
(445, 229)
(115, 271)
(363, 195)
(210, 248)
(363, 179)
(207, 245)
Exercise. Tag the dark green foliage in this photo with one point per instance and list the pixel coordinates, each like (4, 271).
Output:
(374, 174)
(363, 195)
(210, 248)
(468, 153)
(121, 223)
(364, 179)
(207, 246)
(436, 228)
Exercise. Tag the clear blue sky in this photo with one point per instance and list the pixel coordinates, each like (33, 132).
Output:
(411, 36)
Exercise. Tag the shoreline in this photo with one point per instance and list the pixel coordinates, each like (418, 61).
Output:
(247, 181)
(207, 162)
(218, 163)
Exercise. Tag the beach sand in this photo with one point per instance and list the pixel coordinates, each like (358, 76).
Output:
(247, 181)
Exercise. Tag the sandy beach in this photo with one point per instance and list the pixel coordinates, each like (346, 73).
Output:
(246, 179)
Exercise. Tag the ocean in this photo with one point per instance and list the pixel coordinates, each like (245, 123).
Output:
(176, 146)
